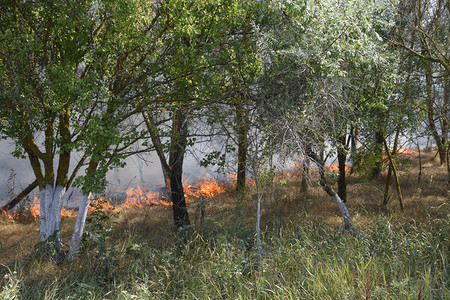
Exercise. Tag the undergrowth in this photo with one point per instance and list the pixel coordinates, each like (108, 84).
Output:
(308, 260)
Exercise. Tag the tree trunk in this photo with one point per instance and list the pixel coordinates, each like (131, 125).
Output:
(258, 218)
(446, 125)
(78, 230)
(79, 227)
(431, 118)
(19, 197)
(351, 142)
(420, 163)
(348, 225)
(176, 158)
(376, 171)
(180, 213)
(389, 175)
(387, 185)
(156, 139)
(173, 170)
(394, 170)
(342, 158)
(242, 130)
(448, 170)
(51, 199)
(305, 175)
(167, 187)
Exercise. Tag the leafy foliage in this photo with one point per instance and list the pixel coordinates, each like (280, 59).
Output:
(99, 224)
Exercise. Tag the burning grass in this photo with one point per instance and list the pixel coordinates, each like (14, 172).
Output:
(306, 255)
(134, 197)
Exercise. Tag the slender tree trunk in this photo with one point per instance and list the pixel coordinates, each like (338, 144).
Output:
(376, 171)
(305, 175)
(448, 170)
(153, 130)
(353, 137)
(348, 225)
(176, 158)
(258, 218)
(431, 117)
(78, 230)
(19, 197)
(342, 158)
(255, 167)
(446, 125)
(354, 131)
(445, 116)
(394, 170)
(173, 170)
(420, 163)
(166, 183)
(79, 227)
(389, 175)
(387, 185)
(242, 131)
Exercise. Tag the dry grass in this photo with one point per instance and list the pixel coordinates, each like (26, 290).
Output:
(425, 202)
(232, 213)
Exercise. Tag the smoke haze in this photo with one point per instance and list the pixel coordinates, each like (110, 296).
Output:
(145, 172)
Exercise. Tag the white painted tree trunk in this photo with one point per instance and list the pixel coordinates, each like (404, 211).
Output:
(79, 227)
(51, 199)
(348, 225)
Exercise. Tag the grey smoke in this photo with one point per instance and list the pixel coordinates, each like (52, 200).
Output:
(139, 171)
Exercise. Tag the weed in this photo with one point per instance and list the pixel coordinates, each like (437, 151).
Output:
(99, 224)
(11, 286)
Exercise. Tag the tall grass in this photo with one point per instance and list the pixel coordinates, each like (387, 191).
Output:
(308, 260)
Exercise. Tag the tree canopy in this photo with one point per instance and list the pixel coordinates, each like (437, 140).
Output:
(85, 84)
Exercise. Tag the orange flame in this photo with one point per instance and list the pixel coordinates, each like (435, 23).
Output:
(407, 152)
(9, 218)
(106, 205)
(335, 168)
(135, 197)
(31, 212)
(206, 188)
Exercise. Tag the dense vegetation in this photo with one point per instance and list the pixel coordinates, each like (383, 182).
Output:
(86, 84)
(306, 254)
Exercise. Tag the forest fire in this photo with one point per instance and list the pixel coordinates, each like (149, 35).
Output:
(205, 188)
(135, 197)
(335, 168)
(407, 152)
(138, 197)
(32, 212)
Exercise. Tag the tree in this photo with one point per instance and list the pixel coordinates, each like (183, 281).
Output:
(324, 61)
(203, 43)
(173, 167)
(69, 82)
(422, 34)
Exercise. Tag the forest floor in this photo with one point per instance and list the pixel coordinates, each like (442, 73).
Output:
(306, 254)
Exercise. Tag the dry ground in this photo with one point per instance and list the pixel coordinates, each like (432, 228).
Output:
(426, 202)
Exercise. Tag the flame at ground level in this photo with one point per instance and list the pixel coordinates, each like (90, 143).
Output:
(140, 197)
(335, 168)
(32, 211)
(135, 197)
(406, 152)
